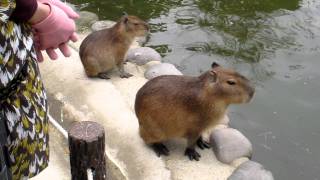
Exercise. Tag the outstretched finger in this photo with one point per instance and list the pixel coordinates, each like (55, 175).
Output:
(52, 54)
(74, 37)
(65, 49)
(39, 55)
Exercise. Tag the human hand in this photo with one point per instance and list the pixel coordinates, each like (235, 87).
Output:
(55, 30)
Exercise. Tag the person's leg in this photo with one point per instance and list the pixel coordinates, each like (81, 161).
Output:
(25, 113)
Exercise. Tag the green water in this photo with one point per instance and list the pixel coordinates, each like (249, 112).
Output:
(276, 43)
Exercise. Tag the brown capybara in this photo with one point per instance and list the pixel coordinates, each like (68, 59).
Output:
(103, 50)
(173, 106)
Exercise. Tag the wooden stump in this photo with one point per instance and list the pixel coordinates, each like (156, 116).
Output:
(87, 150)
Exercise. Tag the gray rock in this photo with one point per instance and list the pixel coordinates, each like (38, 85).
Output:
(86, 20)
(230, 144)
(98, 25)
(142, 55)
(251, 170)
(161, 69)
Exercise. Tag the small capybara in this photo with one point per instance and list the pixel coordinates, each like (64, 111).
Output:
(103, 50)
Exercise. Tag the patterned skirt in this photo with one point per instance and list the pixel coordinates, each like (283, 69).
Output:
(23, 103)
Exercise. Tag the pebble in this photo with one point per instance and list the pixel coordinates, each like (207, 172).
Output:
(142, 55)
(98, 25)
(230, 144)
(86, 20)
(251, 170)
(161, 69)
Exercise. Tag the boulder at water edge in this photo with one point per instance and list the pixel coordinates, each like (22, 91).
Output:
(230, 144)
(86, 20)
(142, 55)
(98, 25)
(251, 170)
(161, 69)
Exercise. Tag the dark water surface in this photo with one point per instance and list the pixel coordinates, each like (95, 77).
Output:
(276, 43)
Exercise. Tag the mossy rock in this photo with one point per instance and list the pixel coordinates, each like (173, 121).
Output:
(86, 20)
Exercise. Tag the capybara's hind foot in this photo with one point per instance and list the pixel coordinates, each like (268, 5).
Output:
(203, 144)
(125, 75)
(160, 149)
(192, 154)
(103, 75)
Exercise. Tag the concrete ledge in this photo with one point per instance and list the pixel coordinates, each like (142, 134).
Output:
(111, 102)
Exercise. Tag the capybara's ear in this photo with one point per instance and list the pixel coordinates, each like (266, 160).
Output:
(125, 17)
(125, 20)
(213, 76)
(214, 65)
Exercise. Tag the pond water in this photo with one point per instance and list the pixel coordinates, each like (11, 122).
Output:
(276, 43)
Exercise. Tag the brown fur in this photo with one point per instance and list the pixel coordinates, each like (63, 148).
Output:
(180, 106)
(103, 50)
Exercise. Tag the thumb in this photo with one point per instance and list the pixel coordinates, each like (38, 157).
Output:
(68, 10)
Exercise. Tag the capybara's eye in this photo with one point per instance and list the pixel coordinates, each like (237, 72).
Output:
(231, 82)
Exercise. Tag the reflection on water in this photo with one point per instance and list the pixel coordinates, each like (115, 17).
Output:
(145, 9)
(273, 42)
(247, 30)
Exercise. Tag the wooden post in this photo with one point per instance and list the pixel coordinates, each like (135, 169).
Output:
(87, 150)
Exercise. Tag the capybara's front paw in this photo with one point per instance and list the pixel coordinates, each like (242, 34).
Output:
(203, 144)
(160, 149)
